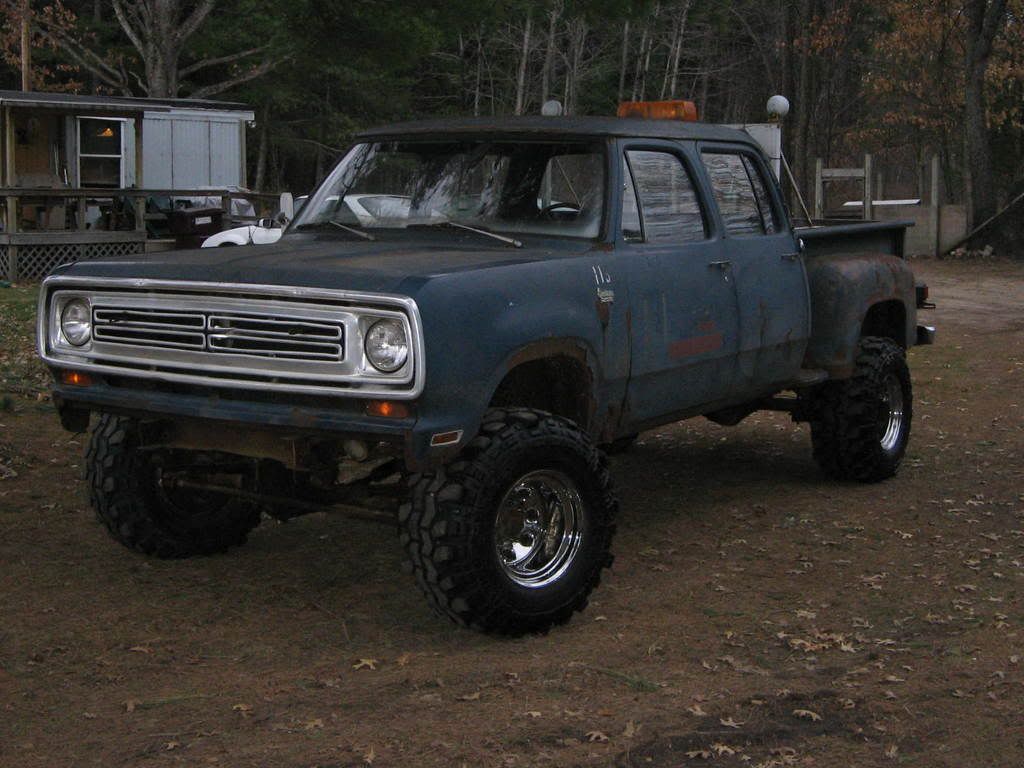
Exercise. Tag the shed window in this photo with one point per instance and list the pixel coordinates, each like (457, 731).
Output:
(100, 152)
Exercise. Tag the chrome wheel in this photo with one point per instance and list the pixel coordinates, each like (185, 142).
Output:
(892, 411)
(539, 528)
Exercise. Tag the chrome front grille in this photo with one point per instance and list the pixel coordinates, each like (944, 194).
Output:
(221, 335)
(149, 327)
(266, 335)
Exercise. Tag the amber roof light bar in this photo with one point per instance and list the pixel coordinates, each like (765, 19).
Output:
(676, 109)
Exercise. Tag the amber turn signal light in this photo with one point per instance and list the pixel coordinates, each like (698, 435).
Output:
(75, 378)
(676, 109)
(387, 408)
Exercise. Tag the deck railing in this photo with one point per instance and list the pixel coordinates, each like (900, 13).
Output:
(28, 253)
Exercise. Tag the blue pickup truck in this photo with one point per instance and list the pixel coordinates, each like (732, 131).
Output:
(523, 296)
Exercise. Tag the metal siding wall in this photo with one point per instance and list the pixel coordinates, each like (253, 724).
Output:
(156, 154)
(224, 154)
(191, 159)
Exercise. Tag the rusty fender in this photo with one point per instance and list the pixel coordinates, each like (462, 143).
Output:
(844, 287)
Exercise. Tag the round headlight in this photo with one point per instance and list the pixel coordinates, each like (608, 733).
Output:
(386, 345)
(76, 322)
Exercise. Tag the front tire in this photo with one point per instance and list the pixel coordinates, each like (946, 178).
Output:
(512, 536)
(127, 494)
(860, 427)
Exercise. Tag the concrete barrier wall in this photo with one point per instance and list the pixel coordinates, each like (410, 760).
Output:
(920, 238)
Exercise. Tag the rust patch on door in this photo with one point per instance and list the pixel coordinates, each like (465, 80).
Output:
(695, 345)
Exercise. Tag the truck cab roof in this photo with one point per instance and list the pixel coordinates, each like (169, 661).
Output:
(554, 127)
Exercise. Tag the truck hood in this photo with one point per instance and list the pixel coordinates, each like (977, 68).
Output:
(386, 266)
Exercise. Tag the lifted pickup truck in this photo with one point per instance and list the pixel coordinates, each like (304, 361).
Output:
(548, 288)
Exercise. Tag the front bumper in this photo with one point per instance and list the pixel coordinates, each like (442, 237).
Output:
(348, 419)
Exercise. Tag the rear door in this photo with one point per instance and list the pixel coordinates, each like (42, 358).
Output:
(684, 328)
(771, 284)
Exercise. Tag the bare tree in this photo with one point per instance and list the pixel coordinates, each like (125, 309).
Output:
(984, 21)
(159, 30)
(550, 50)
(524, 59)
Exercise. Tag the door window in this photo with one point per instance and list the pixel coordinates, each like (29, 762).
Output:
(668, 204)
(741, 194)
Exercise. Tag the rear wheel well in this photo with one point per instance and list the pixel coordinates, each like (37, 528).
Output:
(887, 319)
(560, 385)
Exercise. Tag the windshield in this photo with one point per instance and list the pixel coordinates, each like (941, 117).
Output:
(521, 187)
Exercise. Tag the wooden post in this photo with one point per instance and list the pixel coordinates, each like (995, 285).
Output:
(10, 178)
(139, 200)
(819, 191)
(934, 232)
(879, 186)
(868, 192)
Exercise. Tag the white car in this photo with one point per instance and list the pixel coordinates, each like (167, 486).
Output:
(367, 208)
(267, 231)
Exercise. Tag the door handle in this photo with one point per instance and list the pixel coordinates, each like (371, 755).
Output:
(790, 256)
(720, 264)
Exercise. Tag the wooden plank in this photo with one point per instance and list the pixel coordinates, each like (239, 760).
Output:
(842, 173)
(869, 212)
(71, 236)
(819, 191)
(934, 211)
(107, 192)
(9, 170)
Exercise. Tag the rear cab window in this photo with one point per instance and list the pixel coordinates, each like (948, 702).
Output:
(741, 192)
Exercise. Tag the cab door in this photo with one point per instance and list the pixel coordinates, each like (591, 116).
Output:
(684, 329)
(771, 284)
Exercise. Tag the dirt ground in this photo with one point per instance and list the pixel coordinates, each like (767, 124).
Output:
(757, 614)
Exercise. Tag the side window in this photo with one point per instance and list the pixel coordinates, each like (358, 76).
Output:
(631, 229)
(741, 194)
(669, 206)
(764, 200)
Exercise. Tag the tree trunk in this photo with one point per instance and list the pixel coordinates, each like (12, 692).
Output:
(679, 49)
(802, 112)
(984, 21)
(261, 152)
(549, 55)
(523, 59)
(625, 59)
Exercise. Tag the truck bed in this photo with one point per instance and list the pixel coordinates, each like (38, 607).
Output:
(885, 237)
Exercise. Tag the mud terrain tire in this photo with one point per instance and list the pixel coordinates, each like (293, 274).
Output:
(127, 498)
(860, 426)
(523, 465)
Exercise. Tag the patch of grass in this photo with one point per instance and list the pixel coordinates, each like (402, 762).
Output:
(21, 371)
(715, 613)
(635, 682)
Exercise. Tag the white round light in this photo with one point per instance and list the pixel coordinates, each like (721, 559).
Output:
(76, 322)
(551, 108)
(386, 345)
(778, 106)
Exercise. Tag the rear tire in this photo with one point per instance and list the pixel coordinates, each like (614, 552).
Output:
(128, 498)
(513, 535)
(860, 427)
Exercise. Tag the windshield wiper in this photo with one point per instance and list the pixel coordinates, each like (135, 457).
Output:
(339, 225)
(479, 230)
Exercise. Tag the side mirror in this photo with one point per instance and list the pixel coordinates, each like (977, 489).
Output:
(265, 223)
(287, 206)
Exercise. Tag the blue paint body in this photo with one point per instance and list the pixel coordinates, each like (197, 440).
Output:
(664, 331)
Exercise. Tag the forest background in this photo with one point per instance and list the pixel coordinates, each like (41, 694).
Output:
(902, 79)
